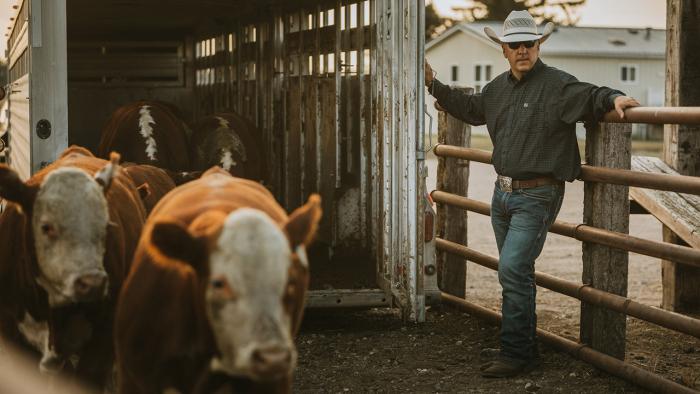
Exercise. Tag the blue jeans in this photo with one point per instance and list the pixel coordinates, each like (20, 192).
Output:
(520, 223)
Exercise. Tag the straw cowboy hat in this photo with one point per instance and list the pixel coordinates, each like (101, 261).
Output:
(520, 26)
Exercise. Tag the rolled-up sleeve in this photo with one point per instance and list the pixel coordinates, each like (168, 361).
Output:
(466, 107)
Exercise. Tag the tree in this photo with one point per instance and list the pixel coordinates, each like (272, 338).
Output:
(434, 23)
(560, 11)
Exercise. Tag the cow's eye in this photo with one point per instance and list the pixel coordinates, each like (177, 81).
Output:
(221, 288)
(48, 230)
(218, 284)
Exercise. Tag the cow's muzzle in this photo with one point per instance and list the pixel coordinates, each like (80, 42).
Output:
(90, 287)
(272, 362)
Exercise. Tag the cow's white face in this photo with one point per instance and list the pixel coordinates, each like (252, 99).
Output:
(69, 221)
(249, 272)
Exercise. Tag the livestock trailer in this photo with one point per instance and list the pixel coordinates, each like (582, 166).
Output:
(334, 87)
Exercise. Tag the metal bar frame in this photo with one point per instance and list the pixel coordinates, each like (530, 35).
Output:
(674, 183)
(582, 232)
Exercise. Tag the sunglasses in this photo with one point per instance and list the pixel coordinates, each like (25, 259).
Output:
(516, 45)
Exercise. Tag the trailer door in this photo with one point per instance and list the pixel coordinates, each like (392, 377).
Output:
(398, 92)
(38, 89)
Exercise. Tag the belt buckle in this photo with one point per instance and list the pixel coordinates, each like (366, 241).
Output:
(505, 183)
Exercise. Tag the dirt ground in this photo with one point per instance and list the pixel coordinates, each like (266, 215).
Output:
(373, 351)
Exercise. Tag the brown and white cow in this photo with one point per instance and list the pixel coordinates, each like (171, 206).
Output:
(216, 289)
(68, 237)
(147, 132)
(229, 141)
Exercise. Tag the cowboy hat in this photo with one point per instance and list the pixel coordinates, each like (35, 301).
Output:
(520, 26)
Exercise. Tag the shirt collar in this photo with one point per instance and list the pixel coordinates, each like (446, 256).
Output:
(534, 70)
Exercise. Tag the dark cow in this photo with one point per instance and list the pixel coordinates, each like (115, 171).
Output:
(68, 237)
(216, 290)
(229, 141)
(147, 132)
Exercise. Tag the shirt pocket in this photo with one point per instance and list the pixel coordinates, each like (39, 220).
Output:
(532, 118)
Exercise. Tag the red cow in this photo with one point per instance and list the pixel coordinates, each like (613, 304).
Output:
(68, 235)
(154, 182)
(229, 141)
(147, 132)
(216, 290)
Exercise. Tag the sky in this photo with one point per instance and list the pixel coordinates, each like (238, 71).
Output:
(619, 13)
(616, 13)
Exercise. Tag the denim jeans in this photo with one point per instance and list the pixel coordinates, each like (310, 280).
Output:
(520, 223)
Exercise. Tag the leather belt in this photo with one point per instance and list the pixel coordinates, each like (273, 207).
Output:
(507, 184)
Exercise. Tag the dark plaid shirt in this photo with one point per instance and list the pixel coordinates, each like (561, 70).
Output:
(532, 122)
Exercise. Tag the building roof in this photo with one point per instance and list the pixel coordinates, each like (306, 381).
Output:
(574, 41)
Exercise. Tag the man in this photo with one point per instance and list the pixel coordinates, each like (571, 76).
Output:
(531, 113)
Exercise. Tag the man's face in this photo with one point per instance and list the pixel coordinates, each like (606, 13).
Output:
(522, 58)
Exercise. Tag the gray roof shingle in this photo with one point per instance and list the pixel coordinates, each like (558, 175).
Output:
(585, 41)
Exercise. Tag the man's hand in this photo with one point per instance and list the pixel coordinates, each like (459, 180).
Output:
(429, 74)
(624, 102)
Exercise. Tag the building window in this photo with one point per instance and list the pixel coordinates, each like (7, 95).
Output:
(454, 74)
(629, 73)
(482, 76)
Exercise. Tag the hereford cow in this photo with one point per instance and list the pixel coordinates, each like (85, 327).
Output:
(229, 141)
(216, 290)
(147, 132)
(68, 237)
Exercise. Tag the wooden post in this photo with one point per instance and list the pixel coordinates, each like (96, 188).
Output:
(681, 284)
(607, 207)
(453, 177)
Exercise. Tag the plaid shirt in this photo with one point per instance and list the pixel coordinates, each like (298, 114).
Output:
(532, 122)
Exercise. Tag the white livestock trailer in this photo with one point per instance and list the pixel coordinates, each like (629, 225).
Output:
(334, 86)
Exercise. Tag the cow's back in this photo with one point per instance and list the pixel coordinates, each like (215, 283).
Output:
(146, 132)
(249, 135)
(156, 181)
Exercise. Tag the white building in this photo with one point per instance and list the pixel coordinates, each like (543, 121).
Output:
(631, 60)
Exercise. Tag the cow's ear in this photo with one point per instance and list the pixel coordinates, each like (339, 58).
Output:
(105, 175)
(13, 189)
(175, 241)
(144, 191)
(303, 222)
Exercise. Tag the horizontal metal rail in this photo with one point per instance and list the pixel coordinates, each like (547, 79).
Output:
(611, 365)
(678, 253)
(585, 293)
(656, 115)
(674, 183)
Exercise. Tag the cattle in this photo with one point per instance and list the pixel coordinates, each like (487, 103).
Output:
(229, 141)
(147, 132)
(216, 290)
(153, 182)
(68, 236)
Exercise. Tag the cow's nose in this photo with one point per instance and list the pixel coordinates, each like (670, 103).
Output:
(90, 286)
(272, 361)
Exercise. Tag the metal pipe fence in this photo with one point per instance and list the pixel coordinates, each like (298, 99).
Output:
(582, 232)
(581, 351)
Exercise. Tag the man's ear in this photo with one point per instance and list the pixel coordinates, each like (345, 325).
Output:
(303, 222)
(13, 189)
(174, 241)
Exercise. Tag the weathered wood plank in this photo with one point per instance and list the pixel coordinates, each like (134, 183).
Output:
(453, 177)
(682, 142)
(679, 211)
(605, 268)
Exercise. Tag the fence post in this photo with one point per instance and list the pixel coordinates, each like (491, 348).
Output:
(606, 206)
(681, 283)
(453, 177)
